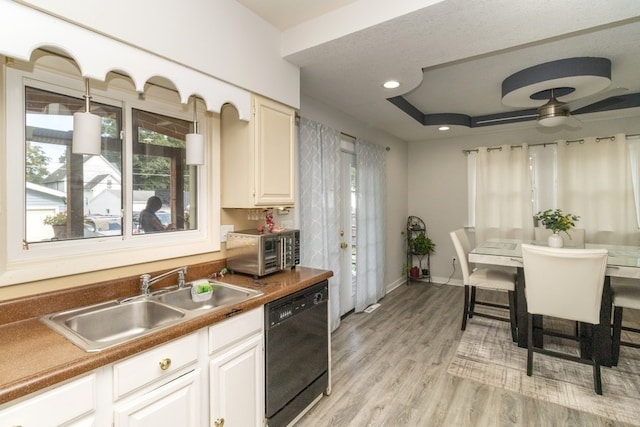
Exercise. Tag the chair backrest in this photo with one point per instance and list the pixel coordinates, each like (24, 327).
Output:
(564, 283)
(577, 235)
(463, 247)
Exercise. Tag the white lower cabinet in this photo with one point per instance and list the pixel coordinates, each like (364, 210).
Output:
(154, 366)
(160, 387)
(212, 377)
(174, 404)
(236, 371)
(70, 404)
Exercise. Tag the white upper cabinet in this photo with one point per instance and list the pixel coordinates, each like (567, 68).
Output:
(257, 158)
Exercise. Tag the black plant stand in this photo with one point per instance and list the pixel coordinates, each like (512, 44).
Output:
(415, 226)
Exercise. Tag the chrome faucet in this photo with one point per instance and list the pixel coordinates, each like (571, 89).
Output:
(146, 281)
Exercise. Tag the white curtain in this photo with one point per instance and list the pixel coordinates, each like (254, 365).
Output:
(319, 205)
(594, 182)
(503, 195)
(370, 224)
(634, 160)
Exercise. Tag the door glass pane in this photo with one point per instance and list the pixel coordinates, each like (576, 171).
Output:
(164, 186)
(70, 196)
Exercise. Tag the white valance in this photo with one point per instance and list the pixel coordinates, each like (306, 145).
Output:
(23, 30)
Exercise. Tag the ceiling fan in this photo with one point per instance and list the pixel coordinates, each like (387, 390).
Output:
(555, 113)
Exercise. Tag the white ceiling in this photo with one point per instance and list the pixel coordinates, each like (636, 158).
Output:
(451, 56)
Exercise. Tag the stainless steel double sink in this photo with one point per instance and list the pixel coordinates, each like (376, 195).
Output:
(96, 327)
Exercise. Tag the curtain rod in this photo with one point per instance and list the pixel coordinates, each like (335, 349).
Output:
(344, 133)
(341, 133)
(544, 144)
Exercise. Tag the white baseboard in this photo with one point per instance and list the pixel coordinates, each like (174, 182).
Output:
(454, 282)
(396, 284)
(403, 280)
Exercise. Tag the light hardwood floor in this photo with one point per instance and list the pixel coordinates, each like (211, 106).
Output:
(390, 369)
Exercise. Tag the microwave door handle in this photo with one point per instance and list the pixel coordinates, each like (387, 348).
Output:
(282, 253)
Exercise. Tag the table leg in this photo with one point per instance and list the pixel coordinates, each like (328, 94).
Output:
(522, 317)
(521, 307)
(602, 330)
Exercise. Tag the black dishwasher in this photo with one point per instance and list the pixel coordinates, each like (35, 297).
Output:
(296, 352)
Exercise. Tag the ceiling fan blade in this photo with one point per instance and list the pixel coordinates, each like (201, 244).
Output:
(574, 122)
(597, 97)
(510, 119)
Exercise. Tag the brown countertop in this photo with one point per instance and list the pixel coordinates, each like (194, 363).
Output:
(34, 356)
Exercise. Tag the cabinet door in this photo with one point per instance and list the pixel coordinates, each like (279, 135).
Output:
(274, 125)
(237, 385)
(174, 404)
(56, 407)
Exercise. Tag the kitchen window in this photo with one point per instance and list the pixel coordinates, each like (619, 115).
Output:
(160, 171)
(99, 199)
(69, 196)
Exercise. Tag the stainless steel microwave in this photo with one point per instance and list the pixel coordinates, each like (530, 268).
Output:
(259, 254)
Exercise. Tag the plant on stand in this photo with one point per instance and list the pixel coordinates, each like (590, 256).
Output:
(557, 221)
(422, 245)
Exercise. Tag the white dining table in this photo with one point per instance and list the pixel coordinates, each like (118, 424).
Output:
(622, 261)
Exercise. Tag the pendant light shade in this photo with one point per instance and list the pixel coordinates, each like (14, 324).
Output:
(195, 149)
(195, 141)
(87, 129)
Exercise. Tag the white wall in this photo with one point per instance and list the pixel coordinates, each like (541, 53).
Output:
(220, 38)
(438, 177)
(396, 171)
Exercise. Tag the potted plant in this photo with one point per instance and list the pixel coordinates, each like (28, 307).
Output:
(422, 245)
(557, 221)
(59, 224)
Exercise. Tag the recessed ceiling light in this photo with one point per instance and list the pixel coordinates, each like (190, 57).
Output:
(391, 84)
(444, 128)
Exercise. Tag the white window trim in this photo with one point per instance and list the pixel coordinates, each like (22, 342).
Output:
(21, 263)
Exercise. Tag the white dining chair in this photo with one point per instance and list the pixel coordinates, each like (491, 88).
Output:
(566, 284)
(485, 278)
(626, 294)
(541, 234)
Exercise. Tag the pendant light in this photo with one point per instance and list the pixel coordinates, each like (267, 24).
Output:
(195, 141)
(87, 129)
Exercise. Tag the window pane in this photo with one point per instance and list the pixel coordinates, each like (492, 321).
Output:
(164, 186)
(542, 161)
(70, 196)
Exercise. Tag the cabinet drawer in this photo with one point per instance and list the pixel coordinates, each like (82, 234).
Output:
(231, 330)
(153, 364)
(55, 407)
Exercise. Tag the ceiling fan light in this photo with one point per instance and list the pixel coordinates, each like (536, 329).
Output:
(551, 121)
(553, 113)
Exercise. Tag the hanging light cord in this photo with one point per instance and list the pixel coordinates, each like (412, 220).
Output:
(87, 96)
(195, 115)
